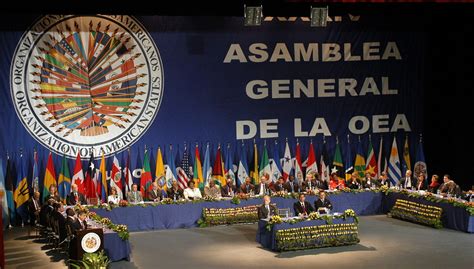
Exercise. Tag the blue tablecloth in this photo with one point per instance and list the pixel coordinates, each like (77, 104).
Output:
(116, 248)
(268, 238)
(186, 215)
(453, 217)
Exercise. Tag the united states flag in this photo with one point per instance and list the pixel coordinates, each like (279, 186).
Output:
(183, 171)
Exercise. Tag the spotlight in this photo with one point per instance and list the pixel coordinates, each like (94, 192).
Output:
(252, 15)
(319, 16)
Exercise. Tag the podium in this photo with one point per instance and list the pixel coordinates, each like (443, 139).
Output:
(86, 241)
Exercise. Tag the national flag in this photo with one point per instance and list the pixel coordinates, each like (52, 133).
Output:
(78, 177)
(10, 187)
(160, 166)
(183, 170)
(49, 177)
(420, 163)
(64, 180)
(394, 173)
(298, 166)
(242, 171)
(21, 195)
(311, 165)
(197, 169)
(406, 157)
(359, 163)
(35, 180)
(337, 163)
(275, 165)
(287, 164)
(265, 169)
(3, 190)
(218, 168)
(349, 165)
(371, 166)
(325, 166)
(128, 175)
(170, 169)
(382, 160)
(104, 190)
(254, 165)
(145, 179)
(229, 165)
(116, 177)
(206, 167)
(89, 186)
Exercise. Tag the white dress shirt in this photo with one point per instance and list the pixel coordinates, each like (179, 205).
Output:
(192, 193)
(113, 199)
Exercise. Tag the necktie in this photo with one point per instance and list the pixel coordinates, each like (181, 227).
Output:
(309, 184)
(268, 208)
(304, 209)
(292, 189)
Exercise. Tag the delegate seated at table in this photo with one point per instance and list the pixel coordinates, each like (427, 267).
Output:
(302, 207)
(267, 210)
(212, 190)
(247, 187)
(134, 196)
(322, 202)
(434, 185)
(279, 186)
(192, 193)
(75, 197)
(354, 181)
(421, 182)
(291, 185)
(175, 192)
(383, 180)
(155, 194)
(228, 190)
(408, 181)
(113, 198)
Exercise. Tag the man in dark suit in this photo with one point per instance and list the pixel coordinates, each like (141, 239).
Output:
(280, 185)
(53, 193)
(291, 186)
(34, 208)
(302, 207)
(309, 183)
(247, 187)
(322, 202)
(75, 197)
(58, 216)
(264, 187)
(71, 222)
(228, 190)
(383, 180)
(266, 210)
(45, 211)
(408, 181)
(155, 193)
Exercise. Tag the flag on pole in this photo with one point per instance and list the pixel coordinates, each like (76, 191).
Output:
(406, 157)
(206, 167)
(420, 163)
(128, 174)
(349, 165)
(265, 169)
(325, 166)
(160, 166)
(35, 181)
(382, 160)
(183, 169)
(64, 180)
(242, 171)
(197, 169)
(104, 190)
(229, 164)
(298, 166)
(218, 169)
(91, 177)
(360, 161)
(337, 163)
(275, 165)
(394, 172)
(21, 195)
(78, 177)
(254, 169)
(49, 177)
(311, 165)
(371, 166)
(9, 187)
(170, 169)
(145, 178)
(116, 177)
(287, 162)
(4, 201)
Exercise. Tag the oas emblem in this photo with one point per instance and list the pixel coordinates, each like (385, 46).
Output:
(90, 242)
(79, 82)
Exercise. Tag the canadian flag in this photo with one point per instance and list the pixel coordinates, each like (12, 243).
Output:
(78, 177)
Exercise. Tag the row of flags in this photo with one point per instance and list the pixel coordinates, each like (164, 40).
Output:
(94, 181)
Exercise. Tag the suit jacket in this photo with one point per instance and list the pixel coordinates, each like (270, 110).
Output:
(305, 185)
(244, 188)
(422, 186)
(366, 184)
(387, 182)
(263, 212)
(31, 206)
(131, 197)
(61, 224)
(152, 195)
(71, 199)
(318, 203)
(73, 224)
(179, 194)
(228, 191)
(55, 197)
(299, 209)
(402, 181)
(296, 187)
(351, 185)
(278, 187)
(266, 190)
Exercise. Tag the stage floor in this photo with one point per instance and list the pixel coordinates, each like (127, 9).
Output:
(385, 243)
